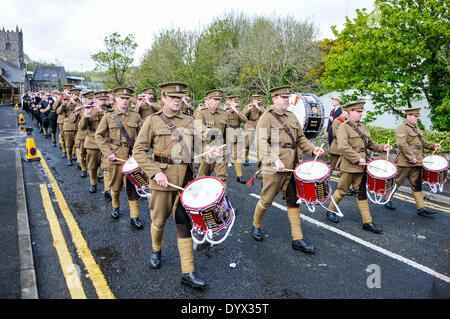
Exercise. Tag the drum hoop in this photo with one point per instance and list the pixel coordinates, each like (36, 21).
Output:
(209, 205)
(315, 179)
(433, 170)
(383, 178)
(129, 172)
(225, 225)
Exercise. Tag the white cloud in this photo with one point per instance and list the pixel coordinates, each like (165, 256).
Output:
(71, 31)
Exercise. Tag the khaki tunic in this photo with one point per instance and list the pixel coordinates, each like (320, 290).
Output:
(410, 145)
(253, 115)
(274, 143)
(108, 133)
(215, 123)
(334, 153)
(234, 122)
(157, 137)
(352, 147)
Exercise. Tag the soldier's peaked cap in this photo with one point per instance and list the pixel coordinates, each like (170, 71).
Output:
(413, 111)
(356, 105)
(284, 90)
(123, 92)
(177, 89)
(213, 94)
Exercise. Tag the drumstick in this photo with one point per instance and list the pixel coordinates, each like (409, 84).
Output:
(181, 188)
(436, 150)
(292, 170)
(371, 165)
(318, 153)
(200, 155)
(387, 155)
(120, 160)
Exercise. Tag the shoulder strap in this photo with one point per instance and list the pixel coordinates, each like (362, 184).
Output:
(175, 131)
(361, 135)
(120, 125)
(285, 127)
(415, 131)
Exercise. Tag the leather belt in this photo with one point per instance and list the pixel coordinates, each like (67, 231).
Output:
(359, 150)
(284, 145)
(417, 147)
(166, 160)
(119, 143)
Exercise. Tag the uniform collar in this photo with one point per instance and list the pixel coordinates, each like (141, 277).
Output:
(170, 115)
(353, 122)
(409, 123)
(277, 111)
(212, 112)
(118, 111)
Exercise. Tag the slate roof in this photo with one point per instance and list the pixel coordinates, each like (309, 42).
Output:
(11, 73)
(49, 74)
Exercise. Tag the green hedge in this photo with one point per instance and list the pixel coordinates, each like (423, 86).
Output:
(381, 135)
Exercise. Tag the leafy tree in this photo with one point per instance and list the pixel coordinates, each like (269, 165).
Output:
(396, 54)
(116, 60)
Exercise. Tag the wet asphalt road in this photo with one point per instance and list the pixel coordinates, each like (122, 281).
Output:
(270, 269)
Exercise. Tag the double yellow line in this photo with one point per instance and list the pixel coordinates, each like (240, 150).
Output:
(71, 274)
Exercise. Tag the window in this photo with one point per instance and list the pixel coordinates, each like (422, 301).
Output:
(8, 46)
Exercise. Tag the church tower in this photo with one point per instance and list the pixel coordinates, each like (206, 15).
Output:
(11, 47)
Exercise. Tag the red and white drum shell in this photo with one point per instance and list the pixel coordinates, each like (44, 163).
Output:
(136, 175)
(206, 203)
(381, 174)
(435, 170)
(313, 181)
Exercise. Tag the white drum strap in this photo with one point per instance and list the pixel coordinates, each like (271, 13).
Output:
(377, 199)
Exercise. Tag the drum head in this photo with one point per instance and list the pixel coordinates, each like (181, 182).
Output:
(381, 168)
(130, 165)
(312, 171)
(202, 192)
(297, 107)
(435, 163)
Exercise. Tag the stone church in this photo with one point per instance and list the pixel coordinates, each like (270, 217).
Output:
(13, 75)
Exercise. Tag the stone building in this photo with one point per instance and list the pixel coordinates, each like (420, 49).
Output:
(13, 76)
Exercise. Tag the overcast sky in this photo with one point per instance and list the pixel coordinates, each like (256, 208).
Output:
(69, 32)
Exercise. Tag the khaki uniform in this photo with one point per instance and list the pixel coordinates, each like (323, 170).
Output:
(274, 143)
(216, 124)
(69, 126)
(79, 141)
(157, 137)
(334, 153)
(410, 146)
(353, 149)
(253, 114)
(94, 157)
(110, 140)
(146, 109)
(236, 138)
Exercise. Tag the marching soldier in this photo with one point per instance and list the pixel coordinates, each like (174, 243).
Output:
(354, 140)
(410, 145)
(115, 136)
(88, 98)
(253, 112)
(90, 121)
(334, 154)
(279, 130)
(235, 118)
(60, 121)
(158, 134)
(216, 121)
(69, 126)
(53, 117)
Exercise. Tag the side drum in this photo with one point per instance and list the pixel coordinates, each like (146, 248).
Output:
(381, 174)
(136, 176)
(435, 170)
(209, 209)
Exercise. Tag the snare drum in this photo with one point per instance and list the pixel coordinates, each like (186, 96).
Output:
(313, 181)
(209, 209)
(136, 176)
(309, 111)
(435, 169)
(381, 174)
